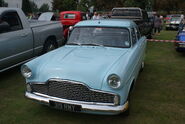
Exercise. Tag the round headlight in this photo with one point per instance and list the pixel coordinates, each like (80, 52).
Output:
(114, 81)
(26, 72)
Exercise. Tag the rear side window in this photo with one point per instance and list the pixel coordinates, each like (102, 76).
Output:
(134, 38)
(138, 33)
(13, 21)
(69, 16)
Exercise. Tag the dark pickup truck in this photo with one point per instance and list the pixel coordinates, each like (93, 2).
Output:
(139, 16)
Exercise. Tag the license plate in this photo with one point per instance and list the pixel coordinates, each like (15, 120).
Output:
(65, 107)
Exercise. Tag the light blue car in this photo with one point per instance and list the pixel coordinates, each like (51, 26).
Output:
(93, 73)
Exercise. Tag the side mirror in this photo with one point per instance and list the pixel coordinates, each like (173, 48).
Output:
(4, 27)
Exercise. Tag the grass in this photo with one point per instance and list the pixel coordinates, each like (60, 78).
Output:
(158, 97)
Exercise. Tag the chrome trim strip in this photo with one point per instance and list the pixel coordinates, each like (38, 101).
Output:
(85, 107)
(72, 101)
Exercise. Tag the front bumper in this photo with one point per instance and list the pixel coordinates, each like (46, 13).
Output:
(85, 107)
(180, 47)
(172, 26)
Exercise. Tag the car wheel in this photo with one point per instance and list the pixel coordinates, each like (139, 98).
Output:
(50, 45)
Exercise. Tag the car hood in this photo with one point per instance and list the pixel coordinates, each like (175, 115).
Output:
(88, 65)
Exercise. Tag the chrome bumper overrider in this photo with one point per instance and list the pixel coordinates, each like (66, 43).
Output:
(86, 107)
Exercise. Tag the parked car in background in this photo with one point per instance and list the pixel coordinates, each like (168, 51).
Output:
(180, 46)
(174, 23)
(167, 18)
(21, 40)
(70, 18)
(93, 73)
(139, 16)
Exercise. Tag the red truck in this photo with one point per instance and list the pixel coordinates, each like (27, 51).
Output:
(70, 18)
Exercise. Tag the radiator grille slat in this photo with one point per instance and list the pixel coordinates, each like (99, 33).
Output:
(73, 91)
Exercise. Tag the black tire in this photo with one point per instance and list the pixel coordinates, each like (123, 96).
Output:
(50, 45)
(178, 50)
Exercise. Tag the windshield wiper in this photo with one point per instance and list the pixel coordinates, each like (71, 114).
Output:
(92, 44)
(73, 44)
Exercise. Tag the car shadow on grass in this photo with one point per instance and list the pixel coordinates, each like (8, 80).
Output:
(75, 117)
(10, 73)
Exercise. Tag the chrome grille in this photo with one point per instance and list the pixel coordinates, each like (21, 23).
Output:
(73, 91)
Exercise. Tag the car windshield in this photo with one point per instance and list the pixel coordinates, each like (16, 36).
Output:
(100, 36)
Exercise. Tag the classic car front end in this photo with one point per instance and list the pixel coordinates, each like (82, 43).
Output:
(92, 73)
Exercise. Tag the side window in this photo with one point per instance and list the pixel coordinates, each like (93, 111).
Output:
(13, 21)
(4, 26)
(134, 38)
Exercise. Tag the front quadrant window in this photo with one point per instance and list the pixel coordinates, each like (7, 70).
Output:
(100, 36)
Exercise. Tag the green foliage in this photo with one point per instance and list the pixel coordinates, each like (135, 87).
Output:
(107, 5)
(63, 5)
(44, 8)
(84, 5)
(26, 7)
(136, 3)
(169, 5)
(3, 3)
(34, 6)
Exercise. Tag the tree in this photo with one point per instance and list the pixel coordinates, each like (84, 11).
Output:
(169, 5)
(34, 7)
(136, 3)
(63, 5)
(84, 5)
(44, 8)
(26, 7)
(3, 3)
(107, 5)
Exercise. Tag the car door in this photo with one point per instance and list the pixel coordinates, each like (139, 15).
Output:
(16, 43)
(136, 50)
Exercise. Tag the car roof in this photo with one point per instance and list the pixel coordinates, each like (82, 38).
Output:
(75, 12)
(125, 23)
(2, 9)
